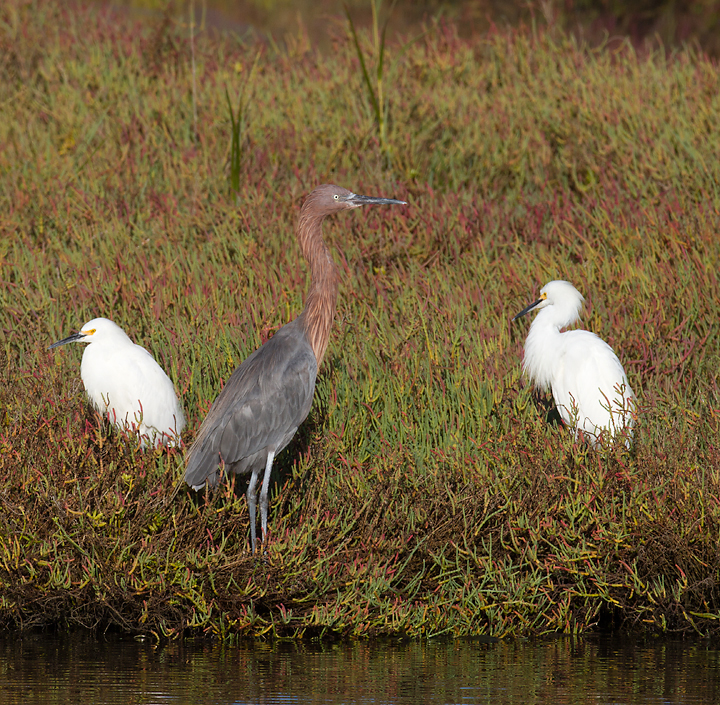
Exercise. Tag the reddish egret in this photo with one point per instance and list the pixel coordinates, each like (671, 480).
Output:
(124, 381)
(270, 394)
(588, 383)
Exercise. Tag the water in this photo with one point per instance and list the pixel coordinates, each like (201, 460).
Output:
(79, 669)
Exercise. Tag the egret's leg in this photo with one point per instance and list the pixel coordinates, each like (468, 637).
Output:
(252, 502)
(264, 494)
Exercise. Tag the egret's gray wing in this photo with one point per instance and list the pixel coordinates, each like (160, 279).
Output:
(260, 408)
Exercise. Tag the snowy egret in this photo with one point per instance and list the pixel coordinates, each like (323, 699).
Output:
(124, 381)
(270, 394)
(588, 382)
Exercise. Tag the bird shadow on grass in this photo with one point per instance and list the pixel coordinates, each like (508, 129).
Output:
(547, 406)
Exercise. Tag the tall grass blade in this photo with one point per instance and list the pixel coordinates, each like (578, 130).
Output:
(375, 91)
(366, 76)
(234, 149)
(237, 125)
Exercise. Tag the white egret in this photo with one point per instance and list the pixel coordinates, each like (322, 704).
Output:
(123, 381)
(588, 382)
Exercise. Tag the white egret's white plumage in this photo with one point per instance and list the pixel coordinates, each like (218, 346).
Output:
(123, 381)
(588, 382)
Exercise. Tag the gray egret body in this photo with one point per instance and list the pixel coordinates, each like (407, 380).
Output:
(588, 382)
(123, 381)
(261, 406)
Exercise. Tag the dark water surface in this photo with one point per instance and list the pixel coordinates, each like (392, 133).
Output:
(79, 669)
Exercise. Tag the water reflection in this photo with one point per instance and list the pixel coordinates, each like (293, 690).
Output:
(79, 669)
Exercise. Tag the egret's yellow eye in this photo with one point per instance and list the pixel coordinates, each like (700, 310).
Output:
(543, 296)
(88, 332)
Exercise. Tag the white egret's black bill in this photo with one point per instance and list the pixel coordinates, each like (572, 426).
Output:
(527, 309)
(70, 339)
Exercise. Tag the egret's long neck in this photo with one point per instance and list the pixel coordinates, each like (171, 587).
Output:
(322, 298)
(542, 348)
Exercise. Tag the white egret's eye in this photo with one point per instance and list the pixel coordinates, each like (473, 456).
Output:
(88, 332)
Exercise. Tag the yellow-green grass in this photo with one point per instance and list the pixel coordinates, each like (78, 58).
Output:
(426, 493)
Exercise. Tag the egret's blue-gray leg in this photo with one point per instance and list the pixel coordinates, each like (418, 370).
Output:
(264, 494)
(252, 502)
